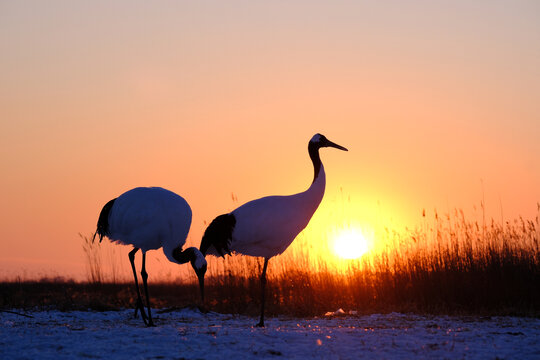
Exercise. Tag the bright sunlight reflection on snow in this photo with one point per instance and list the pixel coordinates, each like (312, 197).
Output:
(350, 243)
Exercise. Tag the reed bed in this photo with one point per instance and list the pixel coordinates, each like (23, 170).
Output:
(449, 265)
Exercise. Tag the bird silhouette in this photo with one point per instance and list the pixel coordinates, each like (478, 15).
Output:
(150, 218)
(266, 227)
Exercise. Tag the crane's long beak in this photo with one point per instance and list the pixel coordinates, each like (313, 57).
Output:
(201, 285)
(334, 145)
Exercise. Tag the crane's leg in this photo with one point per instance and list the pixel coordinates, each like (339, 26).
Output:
(144, 276)
(263, 293)
(139, 300)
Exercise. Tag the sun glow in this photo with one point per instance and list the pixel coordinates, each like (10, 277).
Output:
(350, 244)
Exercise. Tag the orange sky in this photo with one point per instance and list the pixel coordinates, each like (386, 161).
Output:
(438, 103)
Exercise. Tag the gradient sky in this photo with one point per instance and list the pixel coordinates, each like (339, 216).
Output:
(437, 101)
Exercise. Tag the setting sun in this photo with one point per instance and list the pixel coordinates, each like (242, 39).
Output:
(350, 244)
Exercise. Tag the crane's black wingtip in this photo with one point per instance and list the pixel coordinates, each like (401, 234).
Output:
(103, 221)
(219, 235)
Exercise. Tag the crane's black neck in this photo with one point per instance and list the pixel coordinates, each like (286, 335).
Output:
(184, 256)
(313, 150)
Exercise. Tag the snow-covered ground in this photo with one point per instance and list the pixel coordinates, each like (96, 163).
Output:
(188, 334)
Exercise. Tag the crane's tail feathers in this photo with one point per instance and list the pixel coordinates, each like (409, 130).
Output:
(219, 234)
(103, 221)
(94, 237)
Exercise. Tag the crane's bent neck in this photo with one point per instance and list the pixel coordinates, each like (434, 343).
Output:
(182, 257)
(313, 150)
(191, 254)
(316, 189)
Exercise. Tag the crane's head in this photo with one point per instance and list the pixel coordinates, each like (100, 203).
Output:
(319, 141)
(197, 260)
(199, 265)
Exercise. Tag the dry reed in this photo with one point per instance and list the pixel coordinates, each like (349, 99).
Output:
(448, 265)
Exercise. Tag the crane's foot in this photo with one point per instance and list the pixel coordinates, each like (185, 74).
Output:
(146, 319)
(260, 324)
(139, 306)
(202, 309)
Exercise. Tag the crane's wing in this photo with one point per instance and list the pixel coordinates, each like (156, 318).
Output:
(103, 221)
(218, 235)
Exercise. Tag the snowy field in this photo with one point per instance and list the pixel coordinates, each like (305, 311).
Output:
(188, 334)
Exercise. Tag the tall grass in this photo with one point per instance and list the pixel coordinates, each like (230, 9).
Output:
(449, 265)
(102, 263)
(92, 253)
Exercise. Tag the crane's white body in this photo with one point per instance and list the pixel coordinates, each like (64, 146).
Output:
(267, 226)
(149, 218)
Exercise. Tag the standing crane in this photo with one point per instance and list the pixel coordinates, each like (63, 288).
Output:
(150, 218)
(265, 227)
